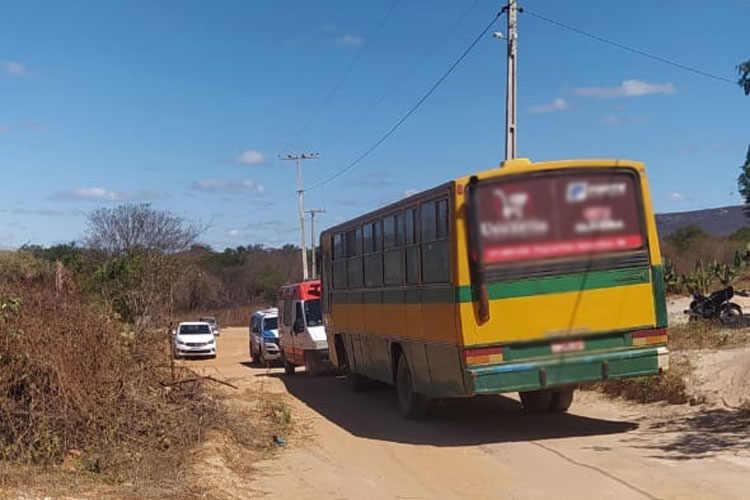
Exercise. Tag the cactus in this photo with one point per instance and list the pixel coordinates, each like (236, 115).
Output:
(699, 281)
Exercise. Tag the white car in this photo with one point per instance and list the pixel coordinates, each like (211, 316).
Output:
(194, 338)
(214, 324)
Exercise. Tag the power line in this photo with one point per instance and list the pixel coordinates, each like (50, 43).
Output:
(411, 111)
(416, 66)
(345, 75)
(628, 48)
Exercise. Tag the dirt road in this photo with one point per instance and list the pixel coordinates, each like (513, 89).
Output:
(356, 446)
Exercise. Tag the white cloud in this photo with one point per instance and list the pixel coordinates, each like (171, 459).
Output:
(15, 69)
(234, 232)
(103, 194)
(675, 196)
(351, 41)
(558, 104)
(628, 88)
(251, 157)
(222, 186)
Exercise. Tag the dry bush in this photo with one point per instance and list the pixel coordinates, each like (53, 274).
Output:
(668, 386)
(68, 381)
(705, 335)
(704, 249)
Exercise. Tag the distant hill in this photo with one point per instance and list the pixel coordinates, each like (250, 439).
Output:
(720, 221)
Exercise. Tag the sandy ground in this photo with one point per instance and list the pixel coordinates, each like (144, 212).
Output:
(356, 446)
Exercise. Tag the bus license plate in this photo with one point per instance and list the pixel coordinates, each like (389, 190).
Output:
(567, 346)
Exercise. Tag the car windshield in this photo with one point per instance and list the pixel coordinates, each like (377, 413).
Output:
(194, 329)
(271, 324)
(312, 313)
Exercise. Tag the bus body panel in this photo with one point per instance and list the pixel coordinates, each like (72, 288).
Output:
(532, 321)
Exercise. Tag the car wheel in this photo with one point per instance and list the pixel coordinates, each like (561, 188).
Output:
(288, 367)
(413, 405)
(253, 356)
(311, 366)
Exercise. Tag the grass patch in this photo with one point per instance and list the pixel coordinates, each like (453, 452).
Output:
(706, 335)
(668, 386)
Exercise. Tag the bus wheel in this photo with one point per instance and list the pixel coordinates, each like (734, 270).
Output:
(536, 401)
(561, 400)
(288, 367)
(354, 381)
(413, 406)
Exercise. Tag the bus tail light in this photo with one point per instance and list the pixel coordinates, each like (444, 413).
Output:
(650, 337)
(483, 355)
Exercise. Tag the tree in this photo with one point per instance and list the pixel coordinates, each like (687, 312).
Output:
(683, 237)
(744, 71)
(133, 228)
(743, 182)
(138, 262)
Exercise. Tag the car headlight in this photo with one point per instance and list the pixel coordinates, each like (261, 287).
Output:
(269, 340)
(212, 342)
(180, 342)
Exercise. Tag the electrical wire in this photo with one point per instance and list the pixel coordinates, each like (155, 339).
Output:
(627, 48)
(416, 66)
(411, 111)
(347, 72)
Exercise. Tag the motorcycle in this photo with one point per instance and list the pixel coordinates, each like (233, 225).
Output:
(718, 305)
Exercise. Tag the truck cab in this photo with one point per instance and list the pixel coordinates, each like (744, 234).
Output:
(301, 331)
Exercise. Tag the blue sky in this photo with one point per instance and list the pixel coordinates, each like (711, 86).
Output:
(187, 104)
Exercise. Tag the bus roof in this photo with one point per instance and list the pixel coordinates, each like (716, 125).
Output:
(306, 290)
(508, 167)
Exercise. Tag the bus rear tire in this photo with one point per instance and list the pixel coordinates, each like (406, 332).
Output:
(536, 401)
(413, 405)
(561, 400)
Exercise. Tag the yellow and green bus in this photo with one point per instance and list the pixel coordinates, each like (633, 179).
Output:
(531, 277)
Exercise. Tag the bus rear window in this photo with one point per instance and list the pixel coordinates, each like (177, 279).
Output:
(558, 216)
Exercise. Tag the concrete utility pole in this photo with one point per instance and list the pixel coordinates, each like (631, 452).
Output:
(312, 213)
(510, 90)
(300, 191)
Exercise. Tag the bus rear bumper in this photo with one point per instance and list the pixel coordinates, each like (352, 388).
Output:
(568, 370)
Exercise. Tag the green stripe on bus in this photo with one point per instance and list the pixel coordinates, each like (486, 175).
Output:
(660, 295)
(561, 284)
(448, 294)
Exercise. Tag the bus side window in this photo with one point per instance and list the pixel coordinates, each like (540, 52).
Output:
(435, 250)
(412, 247)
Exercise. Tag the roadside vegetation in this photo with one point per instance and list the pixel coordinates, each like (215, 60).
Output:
(86, 380)
(694, 262)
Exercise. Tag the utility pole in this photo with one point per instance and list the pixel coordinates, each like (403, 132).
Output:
(510, 89)
(312, 213)
(298, 158)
